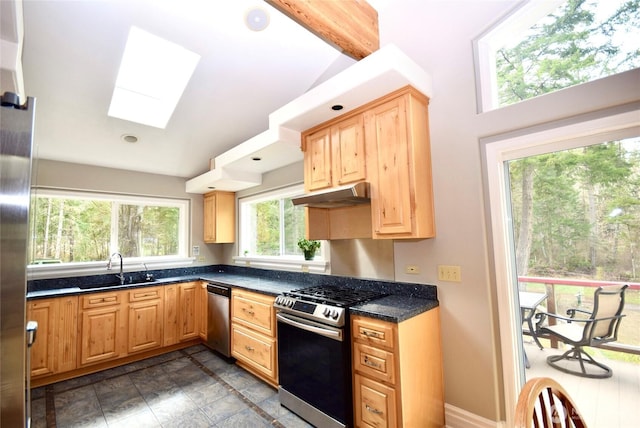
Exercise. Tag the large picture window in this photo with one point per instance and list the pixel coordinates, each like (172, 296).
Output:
(74, 227)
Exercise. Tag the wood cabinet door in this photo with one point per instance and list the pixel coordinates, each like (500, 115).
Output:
(210, 217)
(391, 190)
(254, 311)
(145, 325)
(187, 311)
(45, 313)
(102, 331)
(202, 310)
(375, 404)
(317, 160)
(170, 335)
(219, 217)
(348, 151)
(254, 349)
(67, 334)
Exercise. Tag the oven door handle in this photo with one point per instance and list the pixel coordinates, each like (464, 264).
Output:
(302, 324)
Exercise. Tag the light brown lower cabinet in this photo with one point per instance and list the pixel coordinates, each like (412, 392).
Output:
(375, 403)
(202, 310)
(188, 311)
(170, 324)
(397, 379)
(103, 327)
(145, 324)
(55, 348)
(80, 334)
(253, 334)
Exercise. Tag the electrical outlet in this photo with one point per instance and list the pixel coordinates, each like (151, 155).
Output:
(195, 251)
(449, 273)
(412, 269)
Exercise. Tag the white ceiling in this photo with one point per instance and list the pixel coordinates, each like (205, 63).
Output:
(72, 51)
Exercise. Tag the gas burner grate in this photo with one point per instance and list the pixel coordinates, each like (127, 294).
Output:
(327, 294)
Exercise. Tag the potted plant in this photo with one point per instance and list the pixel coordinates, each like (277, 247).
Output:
(308, 248)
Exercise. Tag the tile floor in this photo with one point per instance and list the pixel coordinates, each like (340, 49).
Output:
(189, 388)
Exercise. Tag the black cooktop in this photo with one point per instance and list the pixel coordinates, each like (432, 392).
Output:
(331, 295)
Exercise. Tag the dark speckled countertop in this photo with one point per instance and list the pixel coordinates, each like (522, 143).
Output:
(401, 301)
(394, 308)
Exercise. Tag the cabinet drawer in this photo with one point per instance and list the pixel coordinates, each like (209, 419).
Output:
(374, 362)
(373, 332)
(101, 299)
(375, 404)
(147, 293)
(254, 349)
(254, 311)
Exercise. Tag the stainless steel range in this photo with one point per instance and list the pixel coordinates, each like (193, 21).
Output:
(314, 352)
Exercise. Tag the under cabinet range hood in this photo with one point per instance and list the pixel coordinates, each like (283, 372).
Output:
(343, 196)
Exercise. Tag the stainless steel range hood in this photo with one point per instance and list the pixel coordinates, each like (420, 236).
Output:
(343, 196)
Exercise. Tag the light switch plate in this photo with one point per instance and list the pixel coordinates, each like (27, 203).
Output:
(449, 273)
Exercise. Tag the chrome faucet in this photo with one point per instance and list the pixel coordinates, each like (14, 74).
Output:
(121, 275)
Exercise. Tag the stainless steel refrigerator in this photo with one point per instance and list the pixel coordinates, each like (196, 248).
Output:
(16, 131)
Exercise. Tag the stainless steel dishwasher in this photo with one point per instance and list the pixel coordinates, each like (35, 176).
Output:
(218, 322)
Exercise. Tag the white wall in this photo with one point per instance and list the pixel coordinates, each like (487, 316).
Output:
(64, 175)
(443, 47)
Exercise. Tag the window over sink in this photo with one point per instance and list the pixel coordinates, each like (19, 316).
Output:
(80, 230)
(270, 227)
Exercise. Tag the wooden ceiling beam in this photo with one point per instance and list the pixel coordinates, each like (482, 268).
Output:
(350, 25)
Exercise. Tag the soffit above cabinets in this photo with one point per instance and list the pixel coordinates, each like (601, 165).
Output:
(380, 73)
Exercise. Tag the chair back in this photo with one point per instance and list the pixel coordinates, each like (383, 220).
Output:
(608, 303)
(543, 403)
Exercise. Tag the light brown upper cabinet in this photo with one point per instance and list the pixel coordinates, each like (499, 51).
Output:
(335, 154)
(386, 143)
(219, 217)
(399, 162)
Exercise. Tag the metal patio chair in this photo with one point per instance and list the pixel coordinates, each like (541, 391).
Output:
(544, 403)
(583, 328)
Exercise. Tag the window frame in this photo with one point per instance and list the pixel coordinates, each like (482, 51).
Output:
(320, 264)
(40, 271)
(515, 21)
(604, 124)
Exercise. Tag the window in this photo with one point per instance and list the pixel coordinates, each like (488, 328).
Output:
(270, 227)
(547, 46)
(73, 227)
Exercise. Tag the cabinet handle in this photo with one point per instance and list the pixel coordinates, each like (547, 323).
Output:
(374, 334)
(249, 348)
(373, 410)
(248, 312)
(370, 363)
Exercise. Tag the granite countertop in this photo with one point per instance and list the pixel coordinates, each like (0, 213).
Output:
(394, 308)
(402, 300)
(251, 283)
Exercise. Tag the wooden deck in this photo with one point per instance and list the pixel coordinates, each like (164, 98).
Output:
(606, 403)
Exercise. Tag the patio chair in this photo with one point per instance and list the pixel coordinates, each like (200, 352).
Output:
(592, 329)
(544, 403)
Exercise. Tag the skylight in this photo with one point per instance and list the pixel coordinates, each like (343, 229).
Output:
(152, 77)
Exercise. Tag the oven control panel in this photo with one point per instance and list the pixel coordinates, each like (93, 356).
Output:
(316, 311)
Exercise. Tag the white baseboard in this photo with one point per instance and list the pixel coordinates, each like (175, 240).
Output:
(459, 418)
